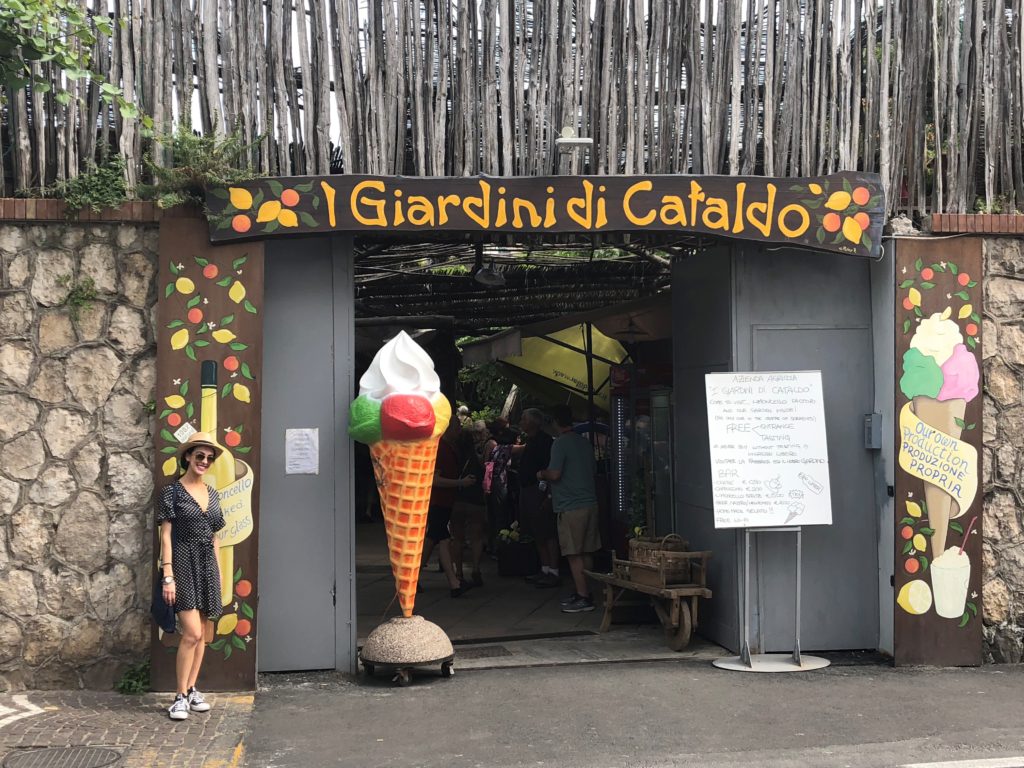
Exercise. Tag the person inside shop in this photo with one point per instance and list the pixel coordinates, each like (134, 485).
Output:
(574, 495)
(536, 518)
(469, 512)
(189, 514)
(442, 497)
(500, 482)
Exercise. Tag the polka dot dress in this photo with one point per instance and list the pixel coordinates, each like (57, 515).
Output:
(196, 575)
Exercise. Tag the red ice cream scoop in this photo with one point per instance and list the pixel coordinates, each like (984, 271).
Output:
(406, 417)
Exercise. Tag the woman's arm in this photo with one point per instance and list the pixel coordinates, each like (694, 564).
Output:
(166, 556)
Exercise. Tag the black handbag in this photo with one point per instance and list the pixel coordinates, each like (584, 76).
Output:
(162, 611)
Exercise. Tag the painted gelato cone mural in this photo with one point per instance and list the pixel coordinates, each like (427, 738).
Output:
(400, 413)
(209, 357)
(938, 435)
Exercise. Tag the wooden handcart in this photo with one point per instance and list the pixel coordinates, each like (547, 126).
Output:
(675, 603)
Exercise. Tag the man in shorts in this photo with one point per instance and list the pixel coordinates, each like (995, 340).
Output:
(571, 475)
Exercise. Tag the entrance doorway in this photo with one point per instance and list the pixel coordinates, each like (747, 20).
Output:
(326, 575)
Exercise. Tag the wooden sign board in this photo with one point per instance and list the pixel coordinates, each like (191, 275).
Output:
(938, 498)
(843, 212)
(209, 321)
(769, 455)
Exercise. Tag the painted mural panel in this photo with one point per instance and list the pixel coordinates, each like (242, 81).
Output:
(938, 437)
(209, 359)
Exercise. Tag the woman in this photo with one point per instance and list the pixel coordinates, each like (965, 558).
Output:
(497, 455)
(189, 515)
(442, 497)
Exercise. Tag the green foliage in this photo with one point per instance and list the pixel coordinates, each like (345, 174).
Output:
(484, 387)
(101, 186)
(197, 163)
(135, 680)
(453, 270)
(485, 414)
(1000, 204)
(60, 33)
(82, 295)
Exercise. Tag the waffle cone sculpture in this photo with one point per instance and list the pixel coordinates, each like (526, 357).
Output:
(405, 473)
(400, 413)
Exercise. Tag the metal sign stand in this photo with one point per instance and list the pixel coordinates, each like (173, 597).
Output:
(768, 662)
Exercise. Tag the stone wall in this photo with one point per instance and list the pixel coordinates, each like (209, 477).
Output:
(75, 452)
(1003, 350)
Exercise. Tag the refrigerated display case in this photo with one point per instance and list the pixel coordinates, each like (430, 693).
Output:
(641, 459)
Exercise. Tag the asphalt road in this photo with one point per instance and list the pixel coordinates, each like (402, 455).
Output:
(642, 714)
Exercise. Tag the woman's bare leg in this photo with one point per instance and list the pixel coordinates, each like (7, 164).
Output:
(191, 639)
(197, 658)
(445, 555)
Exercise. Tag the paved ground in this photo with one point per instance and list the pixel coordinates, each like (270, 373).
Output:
(655, 714)
(137, 727)
(612, 715)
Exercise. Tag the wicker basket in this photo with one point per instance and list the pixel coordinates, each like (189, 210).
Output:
(645, 549)
(659, 562)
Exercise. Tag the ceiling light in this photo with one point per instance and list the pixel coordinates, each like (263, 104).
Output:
(489, 276)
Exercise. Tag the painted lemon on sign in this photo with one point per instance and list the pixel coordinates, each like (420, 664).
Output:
(174, 401)
(241, 392)
(913, 509)
(838, 201)
(920, 542)
(240, 198)
(852, 230)
(179, 339)
(237, 291)
(223, 335)
(184, 286)
(170, 467)
(268, 211)
(227, 623)
(915, 597)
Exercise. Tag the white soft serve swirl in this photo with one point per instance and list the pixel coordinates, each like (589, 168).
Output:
(402, 366)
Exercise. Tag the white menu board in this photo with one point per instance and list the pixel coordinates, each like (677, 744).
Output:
(769, 455)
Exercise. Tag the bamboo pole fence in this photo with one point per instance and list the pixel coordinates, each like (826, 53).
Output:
(928, 93)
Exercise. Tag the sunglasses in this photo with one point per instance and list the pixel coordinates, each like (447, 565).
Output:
(203, 458)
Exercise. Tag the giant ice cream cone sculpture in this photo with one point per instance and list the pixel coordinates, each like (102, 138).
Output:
(940, 375)
(400, 413)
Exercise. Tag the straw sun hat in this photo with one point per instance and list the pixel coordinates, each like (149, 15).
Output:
(196, 440)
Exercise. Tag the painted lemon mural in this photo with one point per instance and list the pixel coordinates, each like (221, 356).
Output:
(915, 597)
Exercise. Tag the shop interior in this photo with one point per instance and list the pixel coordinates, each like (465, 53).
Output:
(511, 329)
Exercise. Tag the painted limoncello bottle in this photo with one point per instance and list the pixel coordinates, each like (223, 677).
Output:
(221, 473)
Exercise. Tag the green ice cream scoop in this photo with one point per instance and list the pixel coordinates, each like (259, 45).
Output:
(364, 420)
(922, 376)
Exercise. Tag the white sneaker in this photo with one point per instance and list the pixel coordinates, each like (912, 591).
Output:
(179, 709)
(196, 702)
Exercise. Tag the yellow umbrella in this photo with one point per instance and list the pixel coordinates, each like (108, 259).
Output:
(577, 359)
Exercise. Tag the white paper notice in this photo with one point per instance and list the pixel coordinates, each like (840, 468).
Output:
(302, 451)
(769, 455)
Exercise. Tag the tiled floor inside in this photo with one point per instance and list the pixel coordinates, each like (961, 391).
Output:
(506, 622)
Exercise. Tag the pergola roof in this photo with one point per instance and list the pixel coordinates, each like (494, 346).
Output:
(436, 280)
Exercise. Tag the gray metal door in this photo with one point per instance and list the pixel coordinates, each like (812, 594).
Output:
(297, 512)
(840, 584)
